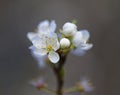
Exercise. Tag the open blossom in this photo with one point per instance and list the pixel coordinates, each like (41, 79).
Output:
(80, 41)
(85, 85)
(47, 44)
(45, 41)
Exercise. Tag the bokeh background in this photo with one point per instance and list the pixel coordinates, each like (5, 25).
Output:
(101, 64)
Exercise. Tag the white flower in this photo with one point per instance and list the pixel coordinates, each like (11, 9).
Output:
(69, 29)
(45, 41)
(47, 44)
(80, 40)
(85, 85)
(65, 43)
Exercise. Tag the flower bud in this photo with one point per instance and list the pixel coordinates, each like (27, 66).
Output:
(69, 29)
(65, 43)
(39, 83)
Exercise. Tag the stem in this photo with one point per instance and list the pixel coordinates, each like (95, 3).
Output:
(60, 75)
(60, 84)
(71, 89)
(59, 72)
(50, 91)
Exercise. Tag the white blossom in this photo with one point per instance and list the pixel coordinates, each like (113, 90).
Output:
(64, 43)
(86, 85)
(80, 41)
(46, 44)
(69, 29)
(45, 41)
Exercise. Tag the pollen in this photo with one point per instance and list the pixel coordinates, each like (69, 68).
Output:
(49, 47)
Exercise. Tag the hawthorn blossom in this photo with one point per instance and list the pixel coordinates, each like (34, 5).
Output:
(85, 85)
(45, 41)
(47, 44)
(80, 42)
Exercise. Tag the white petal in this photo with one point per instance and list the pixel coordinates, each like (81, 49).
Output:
(43, 26)
(86, 46)
(78, 52)
(40, 59)
(57, 46)
(31, 35)
(77, 39)
(39, 52)
(85, 34)
(38, 42)
(53, 26)
(53, 56)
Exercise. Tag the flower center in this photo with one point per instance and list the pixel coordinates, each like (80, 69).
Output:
(49, 47)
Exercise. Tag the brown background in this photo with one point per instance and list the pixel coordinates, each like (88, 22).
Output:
(101, 64)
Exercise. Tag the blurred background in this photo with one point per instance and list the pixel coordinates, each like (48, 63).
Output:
(101, 64)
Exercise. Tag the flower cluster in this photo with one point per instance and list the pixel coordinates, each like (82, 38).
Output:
(49, 43)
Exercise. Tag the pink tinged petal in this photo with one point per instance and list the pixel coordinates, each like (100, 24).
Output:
(53, 57)
(39, 83)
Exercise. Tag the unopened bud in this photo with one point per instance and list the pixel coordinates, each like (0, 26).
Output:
(69, 29)
(65, 43)
(39, 83)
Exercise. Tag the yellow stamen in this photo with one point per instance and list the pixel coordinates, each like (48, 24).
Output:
(49, 48)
